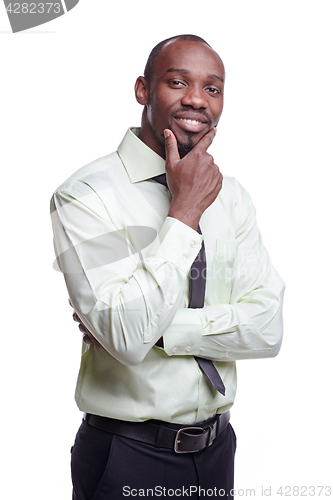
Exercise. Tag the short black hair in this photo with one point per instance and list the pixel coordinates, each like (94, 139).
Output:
(149, 69)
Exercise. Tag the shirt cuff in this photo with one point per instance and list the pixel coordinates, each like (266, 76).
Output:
(177, 243)
(184, 335)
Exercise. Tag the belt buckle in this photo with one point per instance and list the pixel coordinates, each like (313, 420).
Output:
(177, 440)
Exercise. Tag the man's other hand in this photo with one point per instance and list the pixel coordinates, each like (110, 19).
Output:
(88, 337)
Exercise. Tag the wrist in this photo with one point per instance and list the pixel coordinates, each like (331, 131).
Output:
(187, 215)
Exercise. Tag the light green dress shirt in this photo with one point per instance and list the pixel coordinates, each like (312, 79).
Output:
(126, 266)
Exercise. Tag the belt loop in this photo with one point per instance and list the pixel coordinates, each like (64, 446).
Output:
(160, 435)
(218, 426)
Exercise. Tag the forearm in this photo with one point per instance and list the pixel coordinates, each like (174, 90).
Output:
(250, 324)
(128, 303)
(229, 332)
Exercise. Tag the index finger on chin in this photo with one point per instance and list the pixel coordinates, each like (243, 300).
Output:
(207, 139)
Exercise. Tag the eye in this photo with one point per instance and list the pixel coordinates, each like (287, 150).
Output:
(176, 83)
(214, 90)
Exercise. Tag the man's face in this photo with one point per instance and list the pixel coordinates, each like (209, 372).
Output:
(185, 95)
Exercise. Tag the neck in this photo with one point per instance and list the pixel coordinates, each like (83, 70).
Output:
(149, 137)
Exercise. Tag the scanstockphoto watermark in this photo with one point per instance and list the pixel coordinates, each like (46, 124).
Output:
(134, 243)
(197, 491)
(147, 254)
(226, 261)
(185, 492)
(25, 15)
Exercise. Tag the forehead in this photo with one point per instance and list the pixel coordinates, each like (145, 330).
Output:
(195, 57)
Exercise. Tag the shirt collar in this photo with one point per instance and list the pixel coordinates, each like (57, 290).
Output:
(139, 160)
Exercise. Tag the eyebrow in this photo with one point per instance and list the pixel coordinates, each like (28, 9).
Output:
(186, 71)
(216, 77)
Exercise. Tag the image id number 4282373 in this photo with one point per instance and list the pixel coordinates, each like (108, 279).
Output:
(304, 491)
(34, 8)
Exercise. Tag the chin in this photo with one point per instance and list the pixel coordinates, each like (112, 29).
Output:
(183, 149)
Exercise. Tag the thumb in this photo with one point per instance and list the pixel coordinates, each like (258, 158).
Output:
(171, 148)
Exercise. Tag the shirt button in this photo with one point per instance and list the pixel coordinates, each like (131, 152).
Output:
(171, 300)
(207, 407)
(174, 349)
(185, 259)
(188, 348)
(192, 244)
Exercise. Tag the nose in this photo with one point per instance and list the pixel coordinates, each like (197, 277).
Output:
(195, 97)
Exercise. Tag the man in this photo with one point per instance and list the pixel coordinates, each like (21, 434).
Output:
(126, 238)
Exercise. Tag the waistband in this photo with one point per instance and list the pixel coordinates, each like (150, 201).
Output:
(180, 438)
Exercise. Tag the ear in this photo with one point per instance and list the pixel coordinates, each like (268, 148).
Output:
(141, 90)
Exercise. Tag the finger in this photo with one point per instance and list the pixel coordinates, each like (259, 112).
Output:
(171, 148)
(89, 339)
(206, 140)
(83, 329)
(76, 318)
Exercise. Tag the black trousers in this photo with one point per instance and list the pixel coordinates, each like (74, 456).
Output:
(109, 467)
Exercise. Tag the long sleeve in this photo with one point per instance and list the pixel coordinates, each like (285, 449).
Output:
(125, 295)
(250, 325)
(126, 265)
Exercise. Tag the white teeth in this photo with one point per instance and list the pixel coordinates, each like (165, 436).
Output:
(195, 122)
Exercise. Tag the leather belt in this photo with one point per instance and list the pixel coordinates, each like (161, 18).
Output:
(177, 437)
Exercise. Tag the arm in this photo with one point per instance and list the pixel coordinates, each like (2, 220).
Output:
(250, 326)
(134, 301)
(125, 301)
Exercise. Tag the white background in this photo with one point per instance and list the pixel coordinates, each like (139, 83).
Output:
(67, 98)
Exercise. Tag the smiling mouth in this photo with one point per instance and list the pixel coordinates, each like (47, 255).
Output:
(189, 121)
(191, 125)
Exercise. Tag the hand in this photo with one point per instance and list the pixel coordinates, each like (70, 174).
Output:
(88, 337)
(194, 181)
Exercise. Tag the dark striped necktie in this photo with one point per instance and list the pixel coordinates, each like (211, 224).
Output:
(197, 299)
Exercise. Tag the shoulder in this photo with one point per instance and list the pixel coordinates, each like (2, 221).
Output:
(233, 192)
(93, 174)
(235, 201)
(88, 183)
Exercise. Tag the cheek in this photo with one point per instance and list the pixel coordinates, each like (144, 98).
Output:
(155, 117)
(166, 101)
(159, 113)
(217, 111)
